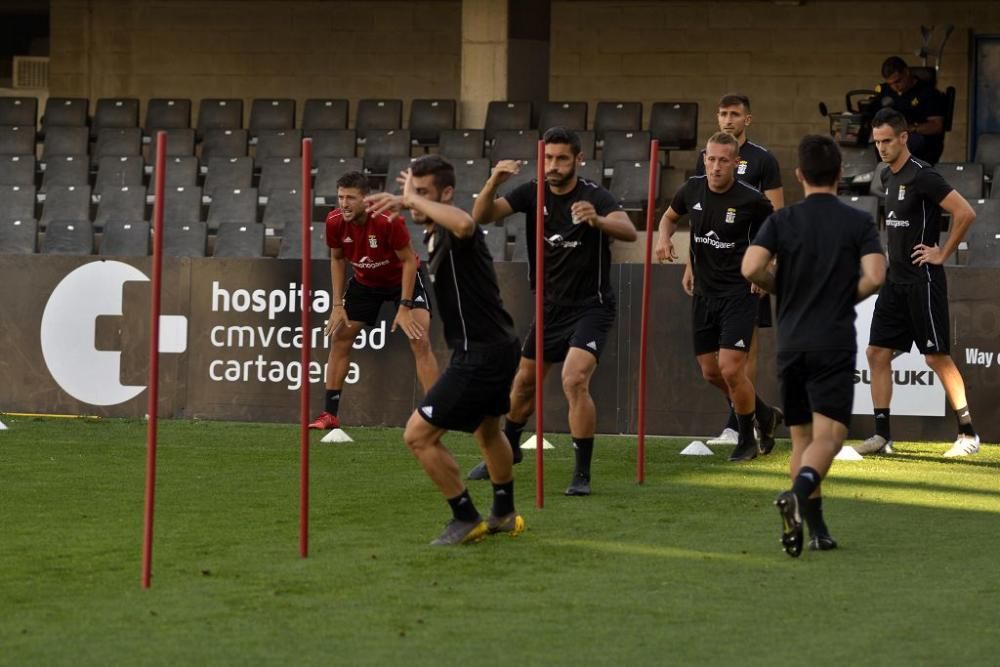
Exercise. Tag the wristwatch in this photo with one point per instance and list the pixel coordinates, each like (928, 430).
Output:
(406, 303)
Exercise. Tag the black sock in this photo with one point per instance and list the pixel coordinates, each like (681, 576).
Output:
(333, 401)
(584, 450)
(462, 507)
(814, 516)
(763, 412)
(731, 422)
(805, 483)
(503, 498)
(745, 426)
(965, 422)
(882, 423)
(513, 432)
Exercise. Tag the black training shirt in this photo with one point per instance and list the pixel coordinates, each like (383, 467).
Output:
(756, 167)
(577, 257)
(819, 243)
(722, 224)
(466, 289)
(912, 216)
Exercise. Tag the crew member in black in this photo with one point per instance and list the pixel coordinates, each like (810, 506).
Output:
(581, 220)
(758, 168)
(829, 258)
(474, 391)
(912, 306)
(725, 214)
(923, 106)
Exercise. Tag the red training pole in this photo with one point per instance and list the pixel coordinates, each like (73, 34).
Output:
(306, 348)
(154, 358)
(640, 465)
(539, 347)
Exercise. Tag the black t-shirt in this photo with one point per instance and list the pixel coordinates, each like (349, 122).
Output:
(722, 224)
(819, 243)
(912, 216)
(757, 167)
(577, 257)
(917, 105)
(466, 289)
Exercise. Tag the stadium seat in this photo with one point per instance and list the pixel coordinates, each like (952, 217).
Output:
(125, 239)
(65, 112)
(465, 199)
(395, 166)
(17, 169)
(380, 145)
(417, 239)
(18, 237)
(278, 144)
(235, 239)
(502, 115)
(220, 114)
(65, 141)
(519, 251)
(124, 204)
(324, 114)
(876, 189)
(68, 237)
(514, 145)
(588, 143)
(236, 205)
(17, 140)
(461, 144)
(228, 173)
(592, 170)
(179, 172)
(630, 184)
(471, 174)
(181, 206)
(283, 207)
(115, 113)
(995, 183)
(116, 172)
(65, 203)
(525, 175)
(17, 202)
(223, 143)
(378, 114)
(619, 116)
(22, 111)
(291, 242)
(271, 114)
(625, 146)
(328, 172)
(965, 177)
(674, 125)
(187, 240)
(428, 118)
(570, 115)
(167, 114)
(496, 241)
(280, 173)
(333, 143)
(866, 203)
(857, 161)
(988, 151)
(983, 237)
(180, 143)
(68, 170)
(117, 142)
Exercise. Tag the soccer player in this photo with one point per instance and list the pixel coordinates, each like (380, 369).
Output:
(923, 106)
(725, 215)
(912, 306)
(759, 168)
(377, 245)
(474, 390)
(829, 258)
(582, 220)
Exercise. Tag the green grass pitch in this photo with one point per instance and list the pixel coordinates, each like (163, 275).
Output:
(686, 569)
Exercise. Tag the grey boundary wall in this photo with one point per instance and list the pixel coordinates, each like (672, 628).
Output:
(239, 357)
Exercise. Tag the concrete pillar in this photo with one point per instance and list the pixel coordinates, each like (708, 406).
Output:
(484, 58)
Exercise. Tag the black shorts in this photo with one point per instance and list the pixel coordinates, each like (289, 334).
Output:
(908, 314)
(586, 327)
(363, 303)
(764, 319)
(723, 322)
(820, 382)
(475, 385)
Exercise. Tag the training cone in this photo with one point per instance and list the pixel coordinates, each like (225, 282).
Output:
(337, 435)
(848, 454)
(697, 448)
(3, 427)
(530, 444)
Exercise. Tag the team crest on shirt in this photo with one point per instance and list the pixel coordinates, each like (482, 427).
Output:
(914, 102)
(730, 215)
(902, 192)
(742, 169)
(372, 241)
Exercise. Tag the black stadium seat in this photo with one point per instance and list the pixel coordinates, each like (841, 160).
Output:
(116, 142)
(180, 143)
(570, 115)
(17, 202)
(178, 172)
(219, 142)
(378, 114)
(187, 240)
(65, 112)
(63, 141)
(626, 146)
(461, 144)
(17, 140)
(68, 170)
(17, 169)
(995, 183)
(621, 116)
(278, 144)
(428, 118)
(866, 203)
(333, 143)
(116, 172)
(280, 173)
(291, 242)
(988, 151)
(68, 237)
(124, 204)
(181, 206)
(235, 239)
(115, 113)
(328, 172)
(526, 174)
(228, 173)
(21, 111)
(501, 115)
(592, 170)
(167, 114)
(271, 114)
(514, 145)
(125, 239)
(220, 114)
(496, 241)
(324, 114)
(674, 125)
(236, 205)
(630, 184)
(983, 237)
(471, 174)
(965, 177)
(381, 145)
(18, 237)
(588, 143)
(66, 203)
(283, 207)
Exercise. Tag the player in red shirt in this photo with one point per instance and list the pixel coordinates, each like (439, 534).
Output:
(385, 269)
